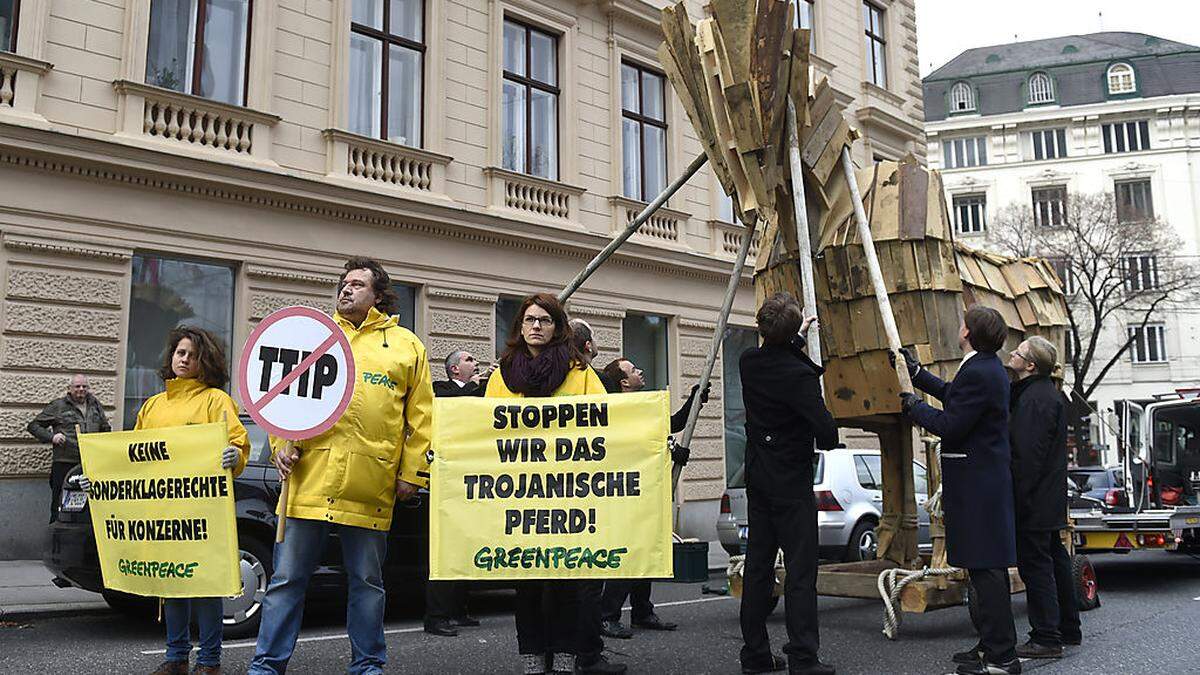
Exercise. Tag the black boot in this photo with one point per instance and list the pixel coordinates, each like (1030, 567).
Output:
(1034, 650)
(441, 627)
(970, 656)
(811, 668)
(982, 667)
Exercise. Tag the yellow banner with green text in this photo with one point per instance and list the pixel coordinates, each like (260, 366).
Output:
(162, 510)
(545, 488)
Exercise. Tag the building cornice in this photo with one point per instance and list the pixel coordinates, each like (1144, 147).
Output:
(275, 274)
(99, 160)
(455, 294)
(58, 248)
(1176, 103)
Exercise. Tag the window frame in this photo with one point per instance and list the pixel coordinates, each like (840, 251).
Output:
(15, 29)
(1139, 272)
(1116, 137)
(1140, 343)
(969, 99)
(642, 120)
(529, 84)
(1038, 143)
(951, 149)
(876, 16)
(198, 51)
(1041, 222)
(968, 200)
(1051, 94)
(388, 40)
(1108, 79)
(1066, 275)
(1128, 186)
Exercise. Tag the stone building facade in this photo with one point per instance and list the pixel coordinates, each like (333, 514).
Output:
(159, 166)
(1041, 121)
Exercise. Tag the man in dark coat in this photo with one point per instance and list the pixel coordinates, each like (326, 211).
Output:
(977, 496)
(622, 375)
(446, 601)
(56, 425)
(1038, 433)
(785, 417)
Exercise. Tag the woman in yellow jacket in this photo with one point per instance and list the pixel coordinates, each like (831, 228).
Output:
(194, 372)
(540, 359)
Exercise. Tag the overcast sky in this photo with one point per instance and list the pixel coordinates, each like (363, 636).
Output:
(946, 28)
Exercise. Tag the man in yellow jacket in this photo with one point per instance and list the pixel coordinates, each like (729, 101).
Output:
(348, 479)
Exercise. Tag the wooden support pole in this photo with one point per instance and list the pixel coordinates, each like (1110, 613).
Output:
(800, 209)
(897, 529)
(715, 346)
(881, 295)
(633, 226)
(281, 509)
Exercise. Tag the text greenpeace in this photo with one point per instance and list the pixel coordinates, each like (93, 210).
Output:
(574, 487)
(162, 511)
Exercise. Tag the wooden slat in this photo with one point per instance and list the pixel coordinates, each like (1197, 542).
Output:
(914, 201)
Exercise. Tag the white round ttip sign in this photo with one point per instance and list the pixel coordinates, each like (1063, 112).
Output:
(296, 374)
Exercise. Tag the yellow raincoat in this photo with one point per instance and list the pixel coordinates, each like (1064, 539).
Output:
(577, 383)
(189, 401)
(348, 474)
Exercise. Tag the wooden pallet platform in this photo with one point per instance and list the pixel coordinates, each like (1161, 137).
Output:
(860, 580)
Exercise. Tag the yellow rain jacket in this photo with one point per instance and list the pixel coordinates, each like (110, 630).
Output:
(577, 383)
(348, 474)
(189, 401)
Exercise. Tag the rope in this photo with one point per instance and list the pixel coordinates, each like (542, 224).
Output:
(890, 589)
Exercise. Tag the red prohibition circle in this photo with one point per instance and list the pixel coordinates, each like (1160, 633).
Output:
(243, 367)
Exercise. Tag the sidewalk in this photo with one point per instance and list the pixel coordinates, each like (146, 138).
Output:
(26, 590)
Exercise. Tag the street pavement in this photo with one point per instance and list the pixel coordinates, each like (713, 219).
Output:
(1147, 624)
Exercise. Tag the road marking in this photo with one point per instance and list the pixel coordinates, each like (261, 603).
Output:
(416, 629)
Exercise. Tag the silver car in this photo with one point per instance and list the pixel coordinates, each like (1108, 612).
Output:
(849, 496)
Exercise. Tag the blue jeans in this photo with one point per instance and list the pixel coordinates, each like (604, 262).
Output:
(177, 613)
(296, 559)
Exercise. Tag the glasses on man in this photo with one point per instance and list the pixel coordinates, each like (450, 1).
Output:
(1024, 358)
(546, 321)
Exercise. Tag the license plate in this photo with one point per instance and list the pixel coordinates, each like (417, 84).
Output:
(743, 532)
(73, 501)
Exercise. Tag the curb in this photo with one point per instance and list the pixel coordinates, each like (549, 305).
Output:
(53, 610)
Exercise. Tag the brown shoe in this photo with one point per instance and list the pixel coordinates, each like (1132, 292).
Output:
(172, 668)
(206, 670)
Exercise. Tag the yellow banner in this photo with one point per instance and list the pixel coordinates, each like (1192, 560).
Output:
(162, 510)
(545, 488)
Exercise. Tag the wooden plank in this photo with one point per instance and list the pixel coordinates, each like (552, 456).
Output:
(821, 136)
(914, 201)
(707, 40)
(736, 21)
(744, 117)
(831, 156)
(695, 107)
(772, 22)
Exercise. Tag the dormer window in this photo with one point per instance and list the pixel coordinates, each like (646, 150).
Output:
(1121, 79)
(962, 98)
(1041, 89)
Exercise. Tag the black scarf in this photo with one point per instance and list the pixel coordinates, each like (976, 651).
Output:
(537, 376)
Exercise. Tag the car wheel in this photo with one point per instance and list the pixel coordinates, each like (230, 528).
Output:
(136, 606)
(243, 613)
(1087, 591)
(864, 542)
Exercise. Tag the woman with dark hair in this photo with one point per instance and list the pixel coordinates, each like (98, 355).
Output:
(541, 359)
(194, 371)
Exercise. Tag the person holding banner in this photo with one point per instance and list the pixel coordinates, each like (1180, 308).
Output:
(785, 417)
(348, 478)
(540, 359)
(194, 372)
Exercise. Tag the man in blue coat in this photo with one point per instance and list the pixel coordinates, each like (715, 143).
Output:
(977, 493)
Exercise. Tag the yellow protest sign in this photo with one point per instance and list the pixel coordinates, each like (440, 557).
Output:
(162, 511)
(540, 488)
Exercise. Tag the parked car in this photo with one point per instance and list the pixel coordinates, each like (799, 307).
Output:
(1095, 486)
(71, 548)
(848, 489)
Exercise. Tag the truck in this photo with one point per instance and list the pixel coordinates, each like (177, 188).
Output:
(1153, 502)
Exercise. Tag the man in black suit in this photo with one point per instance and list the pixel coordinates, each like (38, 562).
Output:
(785, 417)
(446, 601)
(977, 493)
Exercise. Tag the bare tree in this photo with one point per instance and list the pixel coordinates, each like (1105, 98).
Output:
(1122, 265)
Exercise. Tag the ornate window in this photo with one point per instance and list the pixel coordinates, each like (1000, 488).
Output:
(529, 103)
(1041, 88)
(970, 214)
(876, 44)
(962, 98)
(1050, 206)
(643, 131)
(200, 47)
(1121, 79)
(1149, 343)
(964, 152)
(1126, 136)
(387, 65)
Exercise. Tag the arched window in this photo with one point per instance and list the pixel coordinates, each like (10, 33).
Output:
(962, 98)
(1121, 79)
(1041, 88)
